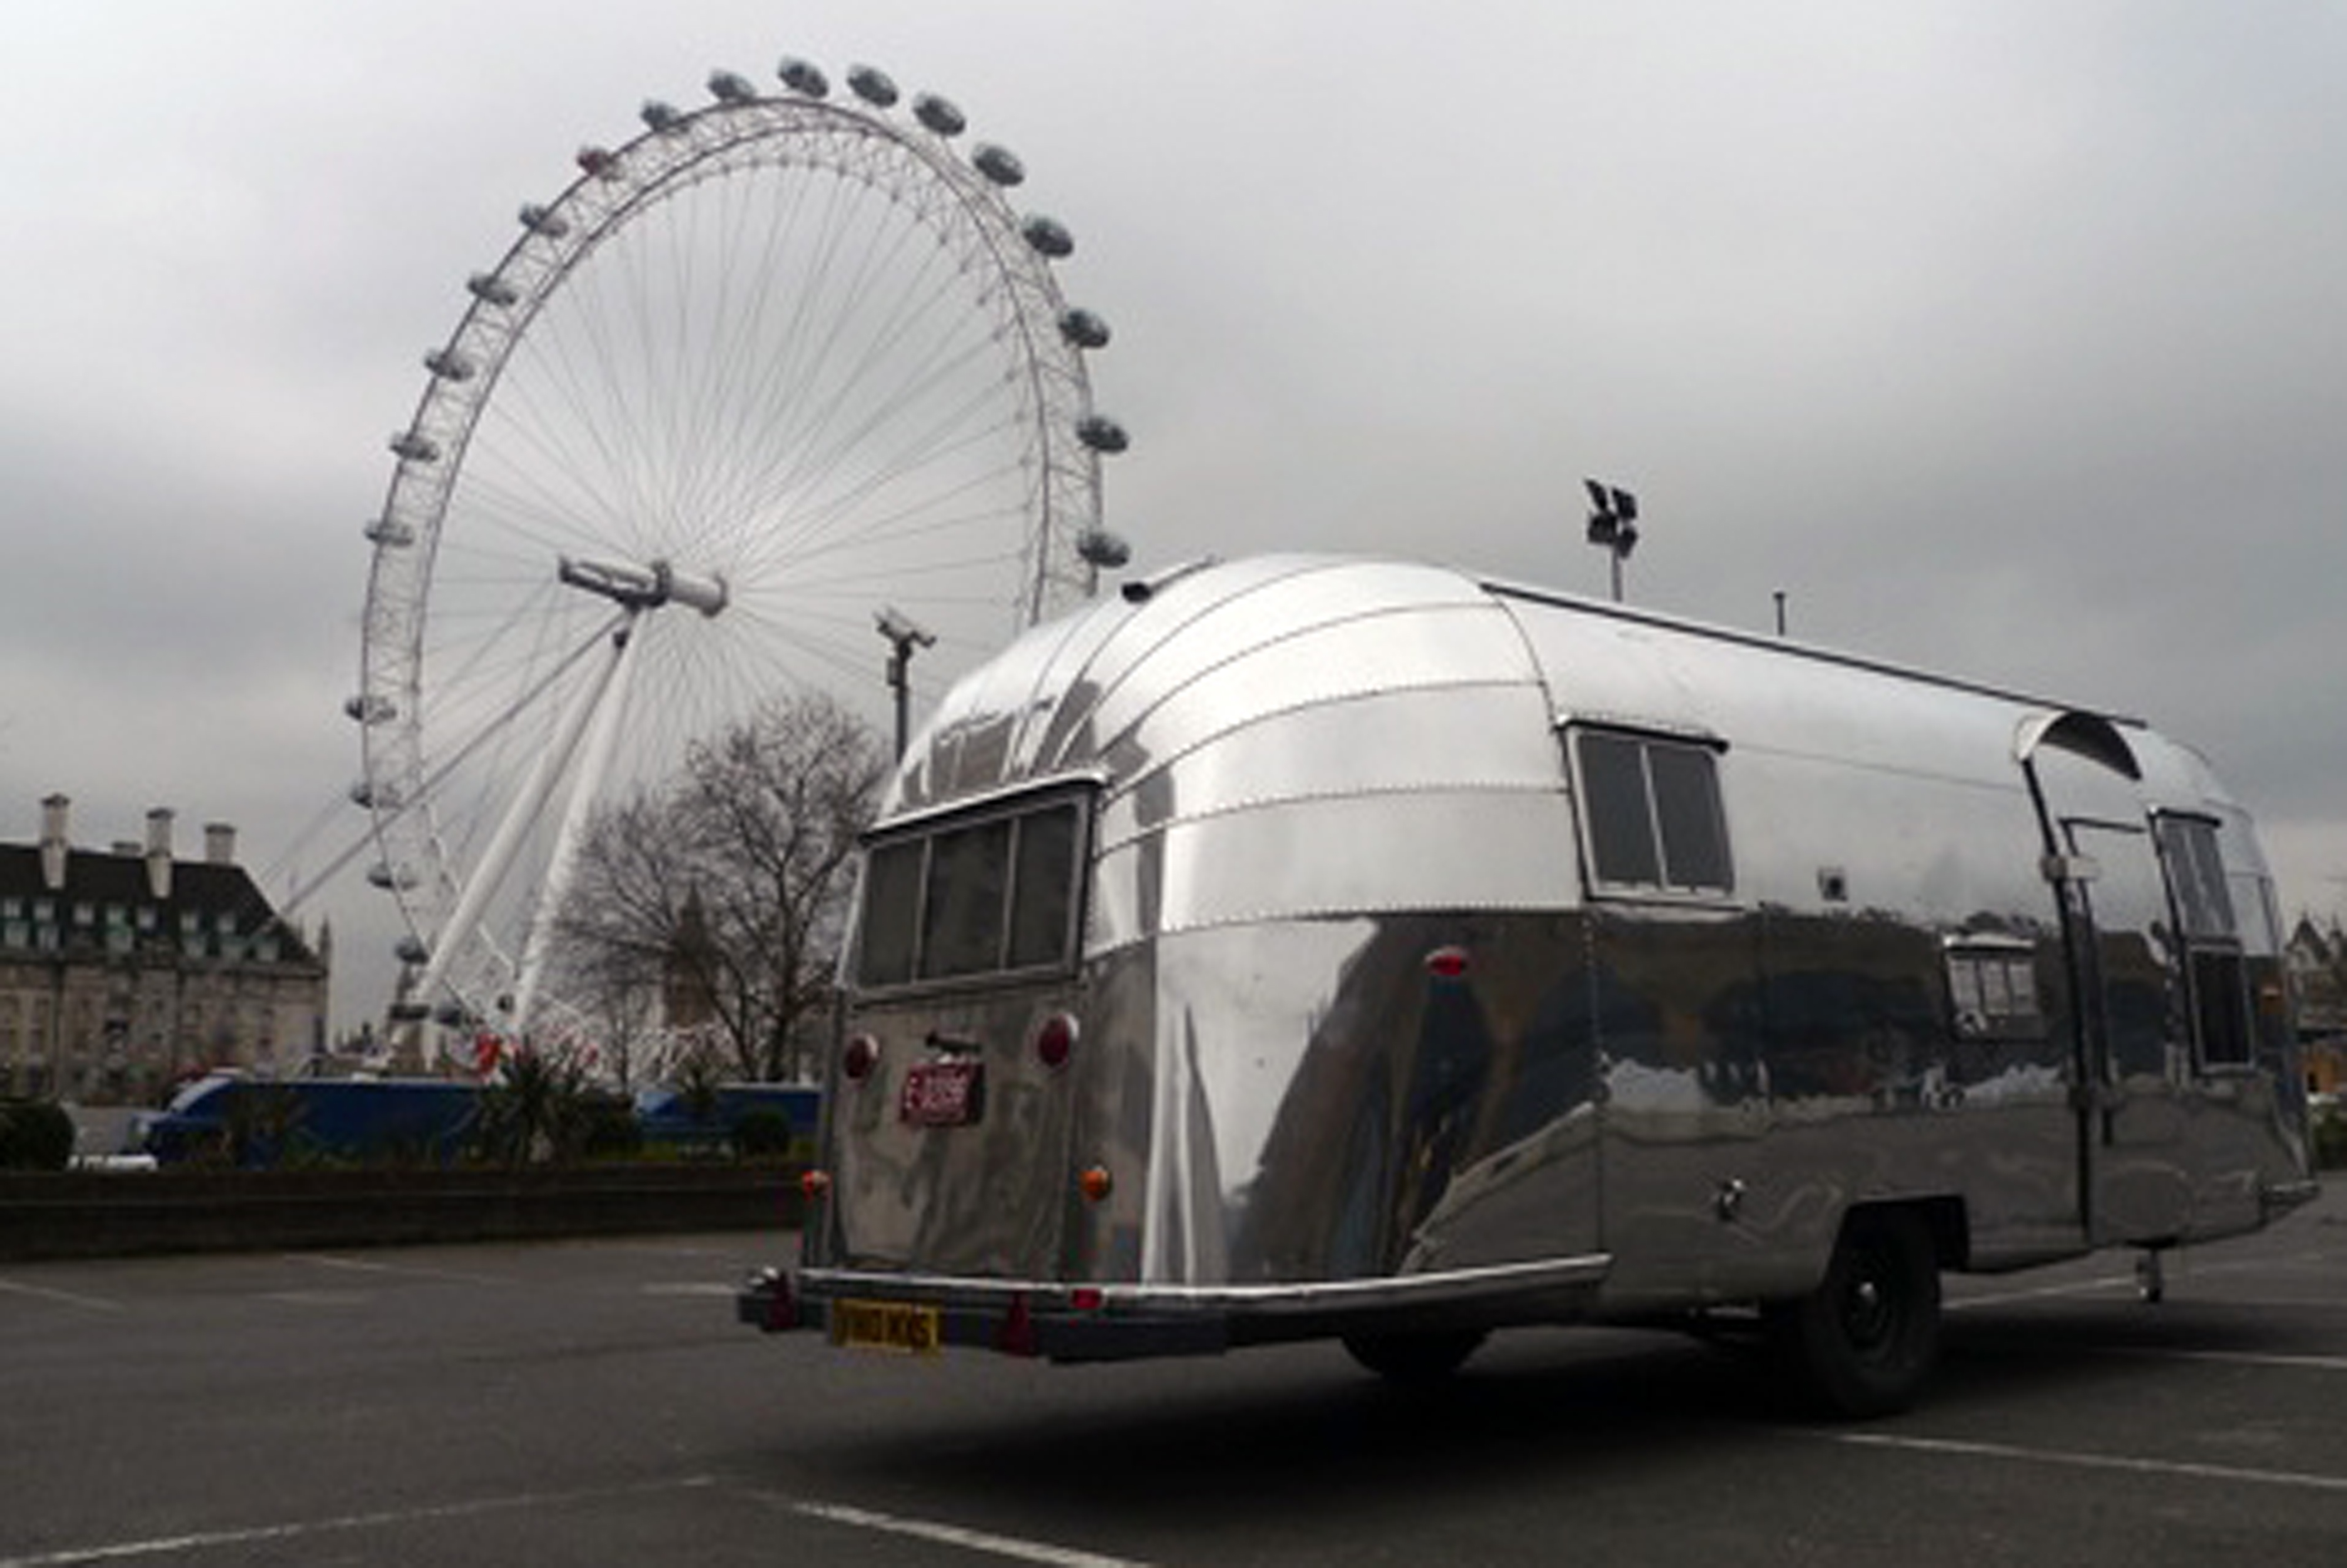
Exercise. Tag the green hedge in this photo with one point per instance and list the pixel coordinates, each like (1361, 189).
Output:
(35, 1136)
(2331, 1138)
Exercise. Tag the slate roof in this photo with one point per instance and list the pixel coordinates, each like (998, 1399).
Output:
(102, 878)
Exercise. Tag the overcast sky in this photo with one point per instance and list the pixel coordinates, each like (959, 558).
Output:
(2004, 338)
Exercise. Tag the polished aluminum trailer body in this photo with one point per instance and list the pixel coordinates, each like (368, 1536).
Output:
(1305, 946)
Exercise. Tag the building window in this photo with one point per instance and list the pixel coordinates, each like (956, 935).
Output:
(1993, 987)
(1651, 814)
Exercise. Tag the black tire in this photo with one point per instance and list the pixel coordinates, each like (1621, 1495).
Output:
(1864, 1342)
(1414, 1358)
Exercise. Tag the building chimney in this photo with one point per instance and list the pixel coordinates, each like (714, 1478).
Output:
(159, 853)
(54, 812)
(219, 844)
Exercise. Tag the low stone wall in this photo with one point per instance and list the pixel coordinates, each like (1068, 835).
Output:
(91, 1215)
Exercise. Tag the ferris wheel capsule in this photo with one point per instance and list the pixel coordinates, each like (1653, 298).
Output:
(660, 116)
(540, 220)
(728, 87)
(939, 115)
(491, 289)
(999, 164)
(802, 76)
(872, 85)
(1101, 549)
(1083, 329)
(1102, 434)
(1049, 235)
(448, 365)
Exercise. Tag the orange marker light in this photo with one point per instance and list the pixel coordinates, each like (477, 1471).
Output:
(1096, 1184)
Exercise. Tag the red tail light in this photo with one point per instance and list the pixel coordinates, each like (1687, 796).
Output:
(1055, 1041)
(1446, 963)
(862, 1055)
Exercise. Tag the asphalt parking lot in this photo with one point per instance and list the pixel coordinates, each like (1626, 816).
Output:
(594, 1403)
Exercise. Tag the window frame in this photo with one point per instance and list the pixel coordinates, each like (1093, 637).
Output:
(922, 833)
(2215, 959)
(1657, 848)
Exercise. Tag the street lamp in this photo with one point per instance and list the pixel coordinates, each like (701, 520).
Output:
(904, 635)
(1612, 526)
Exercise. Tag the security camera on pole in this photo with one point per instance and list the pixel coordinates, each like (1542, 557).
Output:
(903, 636)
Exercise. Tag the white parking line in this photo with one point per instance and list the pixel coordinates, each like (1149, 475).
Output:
(692, 1287)
(69, 1297)
(2044, 1292)
(1009, 1546)
(2234, 1357)
(2128, 1464)
(398, 1270)
(197, 1540)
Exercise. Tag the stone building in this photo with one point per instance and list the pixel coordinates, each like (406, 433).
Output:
(124, 970)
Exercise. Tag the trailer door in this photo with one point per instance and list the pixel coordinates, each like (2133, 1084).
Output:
(2103, 864)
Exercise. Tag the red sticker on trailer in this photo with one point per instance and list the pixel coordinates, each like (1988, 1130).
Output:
(942, 1094)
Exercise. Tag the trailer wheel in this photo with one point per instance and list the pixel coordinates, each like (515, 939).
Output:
(1422, 1358)
(1865, 1340)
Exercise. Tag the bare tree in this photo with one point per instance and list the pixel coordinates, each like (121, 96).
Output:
(725, 894)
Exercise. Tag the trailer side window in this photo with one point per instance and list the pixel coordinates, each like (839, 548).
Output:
(1651, 811)
(2218, 977)
(971, 898)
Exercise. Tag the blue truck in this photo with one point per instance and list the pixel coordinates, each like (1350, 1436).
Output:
(258, 1124)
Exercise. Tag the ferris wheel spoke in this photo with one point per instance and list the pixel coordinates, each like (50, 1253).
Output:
(915, 451)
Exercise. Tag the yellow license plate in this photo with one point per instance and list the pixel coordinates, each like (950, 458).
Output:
(897, 1326)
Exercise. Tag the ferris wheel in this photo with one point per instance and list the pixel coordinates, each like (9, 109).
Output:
(779, 372)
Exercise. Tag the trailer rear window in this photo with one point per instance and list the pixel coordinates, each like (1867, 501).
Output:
(1650, 807)
(972, 897)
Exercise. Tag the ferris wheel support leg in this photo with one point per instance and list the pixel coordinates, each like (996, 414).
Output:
(520, 816)
(586, 788)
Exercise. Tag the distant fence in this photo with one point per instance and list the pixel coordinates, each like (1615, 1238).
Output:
(91, 1215)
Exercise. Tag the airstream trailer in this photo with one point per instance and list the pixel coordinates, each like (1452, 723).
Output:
(1303, 946)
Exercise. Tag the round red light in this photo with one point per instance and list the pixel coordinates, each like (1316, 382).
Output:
(815, 1184)
(1446, 963)
(1056, 1040)
(1096, 1184)
(862, 1055)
